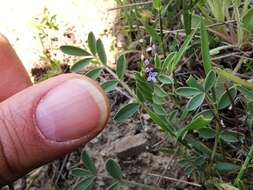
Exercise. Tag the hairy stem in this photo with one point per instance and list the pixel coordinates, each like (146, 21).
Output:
(244, 166)
(218, 129)
(122, 83)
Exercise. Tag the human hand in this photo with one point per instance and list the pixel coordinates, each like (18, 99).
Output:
(39, 123)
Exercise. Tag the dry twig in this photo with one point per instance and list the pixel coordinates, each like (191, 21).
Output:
(176, 180)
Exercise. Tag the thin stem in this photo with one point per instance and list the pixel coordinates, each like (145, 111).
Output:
(216, 142)
(136, 184)
(240, 33)
(122, 83)
(221, 35)
(245, 7)
(218, 130)
(11, 187)
(231, 28)
(244, 166)
(214, 94)
(233, 106)
(133, 183)
(205, 13)
(229, 95)
(182, 33)
(161, 32)
(217, 50)
(62, 168)
(208, 26)
(235, 54)
(176, 180)
(238, 66)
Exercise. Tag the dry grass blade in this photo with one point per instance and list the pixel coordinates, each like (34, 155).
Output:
(176, 180)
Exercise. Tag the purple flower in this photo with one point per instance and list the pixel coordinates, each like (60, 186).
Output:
(152, 76)
(146, 62)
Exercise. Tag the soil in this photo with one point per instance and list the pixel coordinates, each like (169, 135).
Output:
(74, 18)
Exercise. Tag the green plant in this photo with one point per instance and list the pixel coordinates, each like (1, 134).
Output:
(200, 105)
(44, 23)
(155, 85)
(89, 174)
(225, 12)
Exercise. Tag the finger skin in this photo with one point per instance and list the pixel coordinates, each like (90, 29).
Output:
(14, 77)
(22, 146)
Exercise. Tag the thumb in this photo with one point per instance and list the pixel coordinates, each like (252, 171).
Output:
(48, 120)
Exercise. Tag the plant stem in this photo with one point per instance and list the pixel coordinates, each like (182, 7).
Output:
(229, 95)
(133, 183)
(11, 187)
(44, 49)
(244, 166)
(136, 184)
(214, 94)
(161, 32)
(238, 66)
(240, 32)
(245, 7)
(218, 129)
(216, 142)
(122, 83)
(221, 35)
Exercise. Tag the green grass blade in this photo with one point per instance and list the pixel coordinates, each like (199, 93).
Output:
(183, 49)
(205, 48)
(235, 79)
(187, 15)
(153, 33)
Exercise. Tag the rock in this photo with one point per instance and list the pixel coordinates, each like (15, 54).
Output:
(129, 146)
